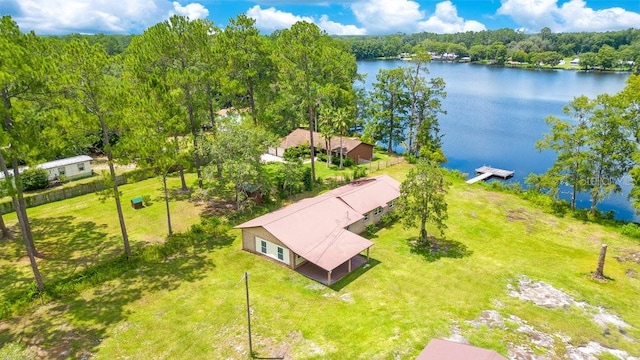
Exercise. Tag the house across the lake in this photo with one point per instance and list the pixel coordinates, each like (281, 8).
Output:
(318, 237)
(352, 148)
(70, 168)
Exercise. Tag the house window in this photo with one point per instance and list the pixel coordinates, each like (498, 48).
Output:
(392, 203)
(263, 247)
(62, 171)
(378, 211)
(81, 167)
(280, 253)
(366, 217)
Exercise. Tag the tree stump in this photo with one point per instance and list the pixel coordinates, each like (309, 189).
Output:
(599, 274)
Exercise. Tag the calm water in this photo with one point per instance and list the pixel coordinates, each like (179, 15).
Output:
(495, 116)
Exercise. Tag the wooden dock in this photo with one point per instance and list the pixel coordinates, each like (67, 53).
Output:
(485, 172)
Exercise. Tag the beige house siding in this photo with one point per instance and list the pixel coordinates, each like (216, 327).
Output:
(249, 243)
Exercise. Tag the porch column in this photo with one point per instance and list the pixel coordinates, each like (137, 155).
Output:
(367, 254)
(349, 266)
(329, 277)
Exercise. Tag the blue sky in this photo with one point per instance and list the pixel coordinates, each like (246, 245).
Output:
(343, 17)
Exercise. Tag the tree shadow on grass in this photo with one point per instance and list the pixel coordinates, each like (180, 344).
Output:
(436, 248)
(76, 322)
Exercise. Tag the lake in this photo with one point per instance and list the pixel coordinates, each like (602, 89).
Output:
(496, 115)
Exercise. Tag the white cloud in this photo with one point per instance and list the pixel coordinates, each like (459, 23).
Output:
(98, 16)
(383, 16)
(572, 16)
(335, 28)
(446, 20)
(272, 19)
(191, 11)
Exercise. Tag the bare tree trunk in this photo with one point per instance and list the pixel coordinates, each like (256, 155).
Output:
(183, 182)
(3, 228)
(26, 237)
(166, 201)
(311, 144)
(599, 274)
(116, 193)
(194, 134)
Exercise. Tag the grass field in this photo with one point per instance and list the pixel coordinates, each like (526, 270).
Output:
(192, 305)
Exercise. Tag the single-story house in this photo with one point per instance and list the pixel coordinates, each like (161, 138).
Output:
(439, 349)
(318, 236)
(71, 168)
(352, 148)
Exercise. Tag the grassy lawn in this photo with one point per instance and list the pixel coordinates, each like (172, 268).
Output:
(192, 305)
(83, 231)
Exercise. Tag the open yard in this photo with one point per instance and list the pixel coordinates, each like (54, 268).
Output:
(515, 279)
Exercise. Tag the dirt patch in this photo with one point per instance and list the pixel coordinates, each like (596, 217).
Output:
(490, 318)
(629, 256)
(518, 215)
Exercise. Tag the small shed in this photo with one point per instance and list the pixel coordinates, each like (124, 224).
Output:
(137, 202)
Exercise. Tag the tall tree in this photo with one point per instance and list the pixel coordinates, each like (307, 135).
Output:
(248, 65)
(610, 148)
(423, 199)
(425, 105)
(388, 107)
(91, 82)
(570, 142)
(154, 121)
(312, 65)
(23, 75)
(236, 151)
(178, 54)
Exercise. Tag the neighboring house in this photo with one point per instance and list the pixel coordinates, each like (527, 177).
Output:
(352, 148)
(575, 62)
(71, 168)
(438, 349)
(318, 236)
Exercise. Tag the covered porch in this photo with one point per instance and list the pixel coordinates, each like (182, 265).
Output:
(328, 277)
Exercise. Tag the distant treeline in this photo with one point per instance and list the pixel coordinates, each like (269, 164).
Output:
(625, 42)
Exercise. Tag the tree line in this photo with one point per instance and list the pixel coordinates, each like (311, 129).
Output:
(504, 44)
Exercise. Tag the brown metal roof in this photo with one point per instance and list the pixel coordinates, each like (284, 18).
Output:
(301, 136)
(315, 228)
(439, 349)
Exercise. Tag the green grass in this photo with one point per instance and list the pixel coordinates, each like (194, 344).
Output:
(83, 231)
(192, 305)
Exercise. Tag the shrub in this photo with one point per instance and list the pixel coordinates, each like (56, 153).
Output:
(146, 200)
(359, 172)
(35, 179)
(631, 230)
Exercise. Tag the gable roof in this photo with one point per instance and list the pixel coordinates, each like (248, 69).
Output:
(439, 349)
(301, 136)
(315, 228)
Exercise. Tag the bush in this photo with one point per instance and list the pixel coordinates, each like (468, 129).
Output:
(359, 172)
(146, 200)
(297, 152)
(35, 179)
(631, 230)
